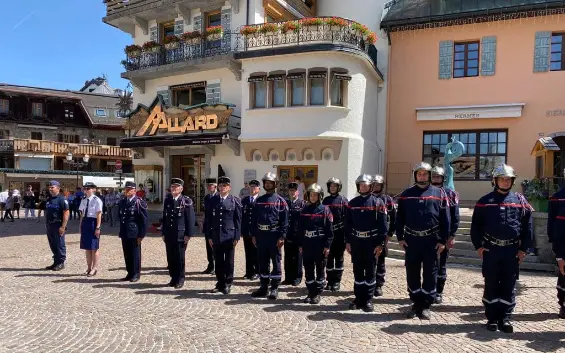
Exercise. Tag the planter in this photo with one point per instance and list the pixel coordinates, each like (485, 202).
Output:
(540, 205)
(134, 54)
(313, 28)
(170, 46)
(337, 28)
(269, 33)
(215, 36)
(155, 49)
(195, 41)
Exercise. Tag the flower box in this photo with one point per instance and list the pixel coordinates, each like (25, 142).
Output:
(172, 45)
(337, 24)
(269, 29)
(152, 47)
(134, 54)
(291, 26)
(133, 50)
(214, 33)
(214, 36)
(191, 38)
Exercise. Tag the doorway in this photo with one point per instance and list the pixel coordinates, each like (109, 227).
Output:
(191, 169)
(287, 173)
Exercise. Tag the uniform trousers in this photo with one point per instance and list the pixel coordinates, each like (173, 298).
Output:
(132, 257)
(364, 269)
(56, 243)
(292, 261)
(176, 251)
(314, 265)
(251, 266)
(335, 258)
(500, 268)
(421, 255)
(268, 253)
(381, 267)
(224, 255)
(561, 290)
(210, 255)
(442, 270)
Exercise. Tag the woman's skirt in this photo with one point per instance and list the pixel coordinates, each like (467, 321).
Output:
(88, 241)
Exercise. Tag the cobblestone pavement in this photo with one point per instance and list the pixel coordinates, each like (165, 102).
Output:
(44, 311)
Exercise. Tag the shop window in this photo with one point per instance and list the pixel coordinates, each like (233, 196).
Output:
(37, 109)
(258, 91)
(484, 150)
(296, 88)
(466, 59)
(189, 94)
(36, 135)
(4, 106)
(317, 87)
(557, 53)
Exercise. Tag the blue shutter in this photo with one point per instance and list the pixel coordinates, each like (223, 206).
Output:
(226, 25)
(198, 24)
(179, 27)
(165, 95)
(488, 56)
(542, 51)
(213, 95)
(154, 33)
(445, 59)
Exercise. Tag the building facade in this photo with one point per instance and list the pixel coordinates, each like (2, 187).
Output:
(492, 82)
(240, 88)
(39, 127)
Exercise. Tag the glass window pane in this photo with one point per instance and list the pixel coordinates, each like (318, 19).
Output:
(555, 66)
(427, 149)
(459, 56)
(492, 136)
(215, 20)
(473, 46)
(472, 137)
(501, 148)
(428, 160)
(260, 94)
(484, 136)
(484, 148)
(464, 138)
(337, 92)
(435, 138)
(555, 48)
(472, 72)
(487, 164)
(557, 38)
(464, 168)
(471, 148)
(443, 138)
(427, 139)
(455, 136)
(278, 93)
(317, 91)
(435, 149)
(198, 95)
(473, 55)
(501, 137)
(297, 92)
(473, 63)
(459, 47)
(459, 73)
(556, 57)
(492, 148)
(459, 64)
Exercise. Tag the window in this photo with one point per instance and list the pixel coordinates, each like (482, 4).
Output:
(36, 135)
(37, 109)
(466, 59)
(484, 150)
(213, 19)
(189, 94)
(101, 112)
(317, 86)
(4, 106)
(297, 90)
(278, 92)
(69, 113)
(339, 82)
(69, 138)
(4, 134)
(557, 58)
(258, 91)
(112, 141)
(167, 29)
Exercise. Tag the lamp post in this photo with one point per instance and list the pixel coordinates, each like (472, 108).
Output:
(76, 164)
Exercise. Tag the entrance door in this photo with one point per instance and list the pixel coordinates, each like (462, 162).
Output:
(191, 169)
(307, 173)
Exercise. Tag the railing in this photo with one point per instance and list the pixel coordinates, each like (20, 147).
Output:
(116, 6)
(62, 148)
(6, 146)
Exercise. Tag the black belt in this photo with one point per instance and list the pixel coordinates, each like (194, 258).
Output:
(365, 234)
(313, 233)
(338, 225)
(499, 242)
(421, 233)
(267, 227)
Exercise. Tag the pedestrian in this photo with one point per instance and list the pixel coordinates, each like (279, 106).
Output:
(269, 225)
(223, 214)
(29, 202)
(212, 186)
(248, 204)
(43, 197)
(379, 191)
(71, 200)
(9, 206)
(111, 202)
(366, 229)
(177, 229)
(90, 223)
(79, 195)
(338, 206)
(315, 238)
(244, 192)
(502, 233)
(292, 256)
(422, 229)
(3, 197)
(438, 178)
(301, 187)
(133, 227)
(556, 235)
(56, 217)
(17, 203)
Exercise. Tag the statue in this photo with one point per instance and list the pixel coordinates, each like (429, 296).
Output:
(453, 150)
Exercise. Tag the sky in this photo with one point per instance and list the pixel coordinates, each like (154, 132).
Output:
(59, 44)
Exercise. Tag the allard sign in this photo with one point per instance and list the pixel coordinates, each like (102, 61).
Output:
(159, 121)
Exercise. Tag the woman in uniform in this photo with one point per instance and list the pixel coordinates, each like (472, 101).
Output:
(90, 219)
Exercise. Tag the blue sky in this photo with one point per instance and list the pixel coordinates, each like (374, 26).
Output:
(59, 44)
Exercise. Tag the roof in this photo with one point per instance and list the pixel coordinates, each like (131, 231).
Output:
(90, 101)
(410, 12)
(545, 143)
(97, 81)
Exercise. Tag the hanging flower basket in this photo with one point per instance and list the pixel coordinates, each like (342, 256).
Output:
(371, 38)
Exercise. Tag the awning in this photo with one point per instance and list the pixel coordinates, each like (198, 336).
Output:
(544, 144)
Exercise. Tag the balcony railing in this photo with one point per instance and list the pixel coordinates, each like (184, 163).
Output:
(234, 42)
(62, 148)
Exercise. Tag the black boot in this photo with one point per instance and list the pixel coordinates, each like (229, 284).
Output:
(425, 314)
(378, 292)
(505, 326)
(316, 299)
(353, 305)
(274, 293)
(562, 312)
(414, 311)
(261, 292)
(492, 326)
(438, 299)
(336, 287)
(369, 308)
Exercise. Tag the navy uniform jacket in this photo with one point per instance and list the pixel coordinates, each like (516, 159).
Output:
(316, 218)
(294, 209)
(367, 214)
(556, 223)
(207, 198)
(390, 210)
(423, 209)
(133, 218)
(54, 208)
(453, 197)
(502, 217)
(223, 219)
(248, 204)
(178, 218)
(271, 210)
(338, 206)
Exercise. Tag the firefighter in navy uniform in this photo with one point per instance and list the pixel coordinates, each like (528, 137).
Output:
(56, 217)
(223, 214)
(178, 228)
(269, 225)
(438, 177)
(248, 203)
(315, 239)
(292, 255)
(378, 191)
(366, 229)
(502, 232)
(422, 229)
(212, 186)
(133, 227)
(556, 235)
(338, 206)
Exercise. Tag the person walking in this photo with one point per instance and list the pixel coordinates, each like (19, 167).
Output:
(29, 202)
(90, 222)
(9, 206)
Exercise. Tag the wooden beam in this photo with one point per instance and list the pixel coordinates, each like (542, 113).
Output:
(141, 23)
(185, 13)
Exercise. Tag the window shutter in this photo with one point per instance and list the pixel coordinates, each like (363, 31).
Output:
(213, 95)
(154, 33)
(542, 51)
(226, 25)
(488, 56)
(445, 59)
(179, 27)
(198, 24)
(165, 95)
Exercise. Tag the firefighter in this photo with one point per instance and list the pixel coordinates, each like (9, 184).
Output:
(338, 206)
(556, 235)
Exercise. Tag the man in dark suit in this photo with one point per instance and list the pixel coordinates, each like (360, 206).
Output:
(209, 251)
(223, 230)
(251, 265)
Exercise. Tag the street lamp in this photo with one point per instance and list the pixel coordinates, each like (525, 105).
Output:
(76, 164)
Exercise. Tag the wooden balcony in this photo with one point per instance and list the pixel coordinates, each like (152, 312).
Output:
(62, 148)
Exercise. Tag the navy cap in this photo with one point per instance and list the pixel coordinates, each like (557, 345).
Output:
(293, 185)
(254, 182)
(224, 180)
(130, 185)
(211, 181)
(89, 185)
(177, 181)
(54, 183)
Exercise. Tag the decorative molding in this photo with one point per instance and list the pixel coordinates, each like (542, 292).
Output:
(185, 13)
(512, 110)
(141, 23)
(299, 147)
(235, 68)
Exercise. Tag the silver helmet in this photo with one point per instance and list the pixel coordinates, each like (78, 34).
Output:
(363, 179)
(334, 180)
(437, 170)
(270, 176)
(422, 166)
(504, 170)
(316, 189)
(378, 179)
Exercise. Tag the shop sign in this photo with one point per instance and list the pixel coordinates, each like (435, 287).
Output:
(556, 112)
(158, 121)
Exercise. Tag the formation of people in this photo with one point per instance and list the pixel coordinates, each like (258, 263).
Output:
(317, 231)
